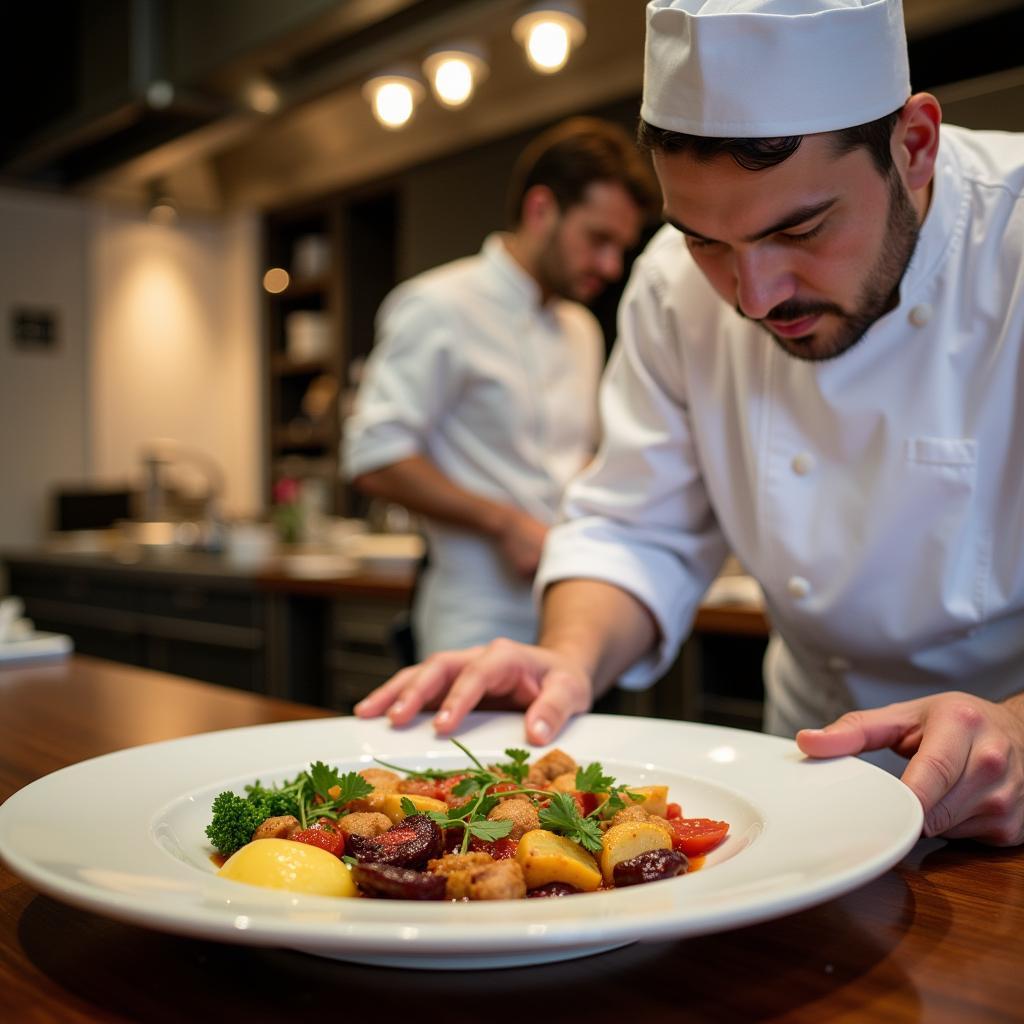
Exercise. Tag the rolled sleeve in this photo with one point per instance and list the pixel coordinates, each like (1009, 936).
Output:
(639, 517)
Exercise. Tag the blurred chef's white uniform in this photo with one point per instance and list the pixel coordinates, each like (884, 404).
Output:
(877, 497)
(499, 391)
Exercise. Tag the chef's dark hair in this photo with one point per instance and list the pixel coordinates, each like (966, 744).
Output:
(572, 156)
(757, 154)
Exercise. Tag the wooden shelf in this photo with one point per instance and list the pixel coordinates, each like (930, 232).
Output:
(284, 366)
(302, 437)
(302, 289)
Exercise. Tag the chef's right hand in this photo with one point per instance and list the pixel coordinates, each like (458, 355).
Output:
(550, 686)
(521, 541)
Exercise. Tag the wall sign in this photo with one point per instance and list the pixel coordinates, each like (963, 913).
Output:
(34, 329)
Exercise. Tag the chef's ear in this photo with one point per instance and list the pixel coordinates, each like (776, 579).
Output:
(540, 208)
(915, 140)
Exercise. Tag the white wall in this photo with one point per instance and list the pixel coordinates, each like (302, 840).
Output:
(44, 402)
(159, 337)
(176, 346)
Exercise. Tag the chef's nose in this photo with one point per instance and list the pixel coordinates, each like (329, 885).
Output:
(761, 284)
(609, 262)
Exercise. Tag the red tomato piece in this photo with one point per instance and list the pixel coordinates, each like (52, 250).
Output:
(696, 836)
(673, 811)
(499, 849)
(421, 787)
(586, 802)
(504, 787)
(326, 839)
(445, 787)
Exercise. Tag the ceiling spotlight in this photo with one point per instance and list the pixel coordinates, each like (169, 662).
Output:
(262, 95)
(454, 73)
(393, 97)
(276, 280)
(548, 32)
(162, 208)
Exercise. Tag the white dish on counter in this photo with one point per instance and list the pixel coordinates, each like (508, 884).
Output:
(35, 647)
(802, 832)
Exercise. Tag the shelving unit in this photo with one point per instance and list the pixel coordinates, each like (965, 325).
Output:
(354, 267)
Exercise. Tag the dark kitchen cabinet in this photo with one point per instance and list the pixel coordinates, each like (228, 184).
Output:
(340, 255)
(214, 629)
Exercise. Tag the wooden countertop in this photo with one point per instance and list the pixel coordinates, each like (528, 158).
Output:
(389, 585)
(940, 938)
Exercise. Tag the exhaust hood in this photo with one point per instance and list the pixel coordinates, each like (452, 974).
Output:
(257, 102)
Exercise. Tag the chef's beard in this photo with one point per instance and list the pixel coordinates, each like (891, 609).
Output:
(554, 277)
(879, 294)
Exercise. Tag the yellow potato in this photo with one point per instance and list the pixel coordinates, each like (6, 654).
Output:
(391, 805)
(546, 857)
(284, 864)
(621, 842)
(656, 798)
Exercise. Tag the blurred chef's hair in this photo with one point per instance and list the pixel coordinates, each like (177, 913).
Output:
(758, 154)
(572, 156)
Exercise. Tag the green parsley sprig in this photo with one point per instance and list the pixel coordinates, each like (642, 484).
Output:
(563, 816)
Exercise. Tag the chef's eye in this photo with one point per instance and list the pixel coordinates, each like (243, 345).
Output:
(804, 236)
(700, 243)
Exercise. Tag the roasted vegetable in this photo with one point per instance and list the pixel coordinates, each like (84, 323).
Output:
(651, 866)
(622, 842)
(411, 843)
(393, 883)
(546, 857)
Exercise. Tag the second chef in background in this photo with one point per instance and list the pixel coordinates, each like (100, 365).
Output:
(479, 401)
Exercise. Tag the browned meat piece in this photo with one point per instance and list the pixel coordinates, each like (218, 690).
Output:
(564, 783)
(279, 827)
(381, 779)
(383, 782)
(452, 862)
(364, 823)
(554, 763)
(520, 812)
(502, 880)
(634, 812)
(458, 869)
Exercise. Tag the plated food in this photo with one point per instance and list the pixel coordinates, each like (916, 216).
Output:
(508, 830)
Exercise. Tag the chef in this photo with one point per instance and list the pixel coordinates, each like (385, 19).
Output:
(479, 401)
(818, 366)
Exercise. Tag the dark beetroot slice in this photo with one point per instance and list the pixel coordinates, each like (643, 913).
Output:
(651, 866)
(553, 889)
(385, 881)
(410, 843)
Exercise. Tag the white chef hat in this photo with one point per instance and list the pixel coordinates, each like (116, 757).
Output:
(766, 68)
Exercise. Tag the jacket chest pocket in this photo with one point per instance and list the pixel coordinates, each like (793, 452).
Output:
(939, 541)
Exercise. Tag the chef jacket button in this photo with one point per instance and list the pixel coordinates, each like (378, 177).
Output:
(798, 586)
(837, 663)
(920, 315)
(803, 463)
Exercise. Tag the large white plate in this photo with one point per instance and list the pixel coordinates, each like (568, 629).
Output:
(122, 835)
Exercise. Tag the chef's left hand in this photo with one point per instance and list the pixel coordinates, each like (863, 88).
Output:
(966, 759)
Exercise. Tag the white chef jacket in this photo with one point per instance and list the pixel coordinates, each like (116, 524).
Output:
(877, 497)
(499, 391)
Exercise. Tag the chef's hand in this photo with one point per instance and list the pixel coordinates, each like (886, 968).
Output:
(966, 759)
(520, 541)
(550, 686)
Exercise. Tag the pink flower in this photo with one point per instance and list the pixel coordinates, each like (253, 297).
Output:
(286, 491)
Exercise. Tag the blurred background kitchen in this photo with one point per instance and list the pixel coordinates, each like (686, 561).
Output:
(202, 204)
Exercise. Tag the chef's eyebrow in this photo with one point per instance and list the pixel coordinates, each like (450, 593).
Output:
(791, 220)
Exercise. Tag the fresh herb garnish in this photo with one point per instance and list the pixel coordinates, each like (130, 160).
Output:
(517, 768)
(562, 815)
(477, 787)
(593, 780)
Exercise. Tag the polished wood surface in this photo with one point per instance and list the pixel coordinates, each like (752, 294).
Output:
(938, 938)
